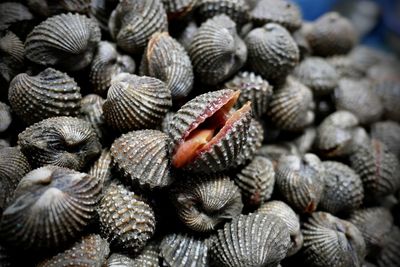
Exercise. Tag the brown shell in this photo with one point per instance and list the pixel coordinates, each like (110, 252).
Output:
(13, 13)
(101, 168)
(92, 112)
(5, 117)
(345, 67)
(12, 56)
(178, 9)
(148, 257)
(47, 8)
(389, 93)
(389, 256)
(388, 132)
(237, 10)
(254, 140)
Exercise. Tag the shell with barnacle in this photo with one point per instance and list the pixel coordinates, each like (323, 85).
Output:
(237, 10)
(12, 56)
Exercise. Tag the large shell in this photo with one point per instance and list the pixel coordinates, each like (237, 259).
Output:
(178, 9)
(5, 117)
(13, 13)
(216, 50)
(12, 56)
(148, 257)
(388, 132)
(389, 256)
(47, 8)
(135, 102)
(67, 40)
(272, 52)
(125, 219)
(237, 10)
(250, 241)
(143, 158)
(253, 142)
(133, 22)
(332, 242)
(92, 112)
(62, 141)
(101, 168)
(51, 207)
(166, 59)
(50, 93)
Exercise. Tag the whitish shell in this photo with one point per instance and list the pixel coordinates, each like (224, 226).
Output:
(92, 112)
(389, 256)
(237, 10)
(178, 9)
(12, 55)
(51, 207)
(5, 117)
(101, 168)
(388, 132)
(147, 258)
(253, 142)
(47, 8)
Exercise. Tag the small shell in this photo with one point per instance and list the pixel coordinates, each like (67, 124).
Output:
(216, 51)
(92, 112)
(101, 11)
(142, 157)
(148, 257)
(178, 9)
(388, 132)
(135, 102)
(13, 13)
(133, 22)
(251, 241)
(61, 141)
(101, 168)
(67, 40)
(389, 256)
(237, 10)
(51, 207)
(50, 93)
(12, 56)
(125, 219)
(47, 8)
(253, 143)
(389, 93)
(5, 117)
(345, 67)
(332, 242)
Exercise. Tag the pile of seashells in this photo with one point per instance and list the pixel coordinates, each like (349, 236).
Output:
(194, 133)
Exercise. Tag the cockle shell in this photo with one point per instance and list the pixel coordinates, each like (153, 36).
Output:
(389, 256)
(5, 117)
(101, 11)
(47, 8)
(13, 13)
(345, 67)
(388, 132)
(148, 257)
(179, 9)
(274, 152)
(237, 10)
(186, 36)
(51, 207)
(92, 112)
(254, 140)
(12, 56)
(101, 168)
(389, 93)
(67, 40)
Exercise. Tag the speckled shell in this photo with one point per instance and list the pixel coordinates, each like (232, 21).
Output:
(12, 56)
(331, 34)
(166, 59)
(237, 10)
(178, 9)
(106, 64)
(5, 117)
(389, 93)
(50, 93)
(135, 102)
(101, 168)
(90, 250)
(332, 242)
(292, 107)
(343, 188)
(252, 88)
(101, 11)
(300, 181)
(284, 212)
(67, 40)
(272, 52)
(148, 257)
(250, 241)
(47, 8)
(202, 203)
(62, 141)
(345, 67)
(184, 250)
(388, 132)
(12, 13)
(186, 36)
(389, 256)
(92, 112)
(253, 143)
(133, 22)
(378, 168)
(216, 50)
(126, 220)
(143, 158)
(51, 207)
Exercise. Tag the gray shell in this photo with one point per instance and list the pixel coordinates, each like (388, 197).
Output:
(388, 132)
(5, 117)
(12, 55)
(178, 9)
(101, 11)
(274, 152)
(186, 36)
(101, 168)
(253, 143)
(148, 257)
(92, 112)
(389, 93)
(237, 10)
(389, 256)
(47, 8)
(345, 67)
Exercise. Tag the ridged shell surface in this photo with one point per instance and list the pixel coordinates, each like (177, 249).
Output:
(148, 257)
(237, 10)
(12, 13)
(101, 168)
(388, 132)
(92, 112)
(178, 9)
(390, 256)
(12, 56)
(48, 8)
(101, 11)
(5, 117)
(253, 142)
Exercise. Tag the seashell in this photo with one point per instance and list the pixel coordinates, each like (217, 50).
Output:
(251, 240)
(345, 67)
(50, 93)
(216, 51)
(282, 12)
(5, 117)
(378, 168)
(101, 11)
(165, 59)
(143, 158)
(364, 57)
(51, 206)
(332, 242)
(388, 132)
(281, 210)
(106, 64)
(305, 141)
(125, 219)
(389, 255)
(317, 74)
(389, 93)
(291, 107)
(256, 181)
(61, 141)
(12, 55)
(300, 180)
(343, 188)
(133, 22)
(135, 102)
(252, 88)
(13, 13)
(272, 52)
(205, 136)
(205, 202)
(49, 8)
(47, 44)
(178, 9)
(92, 112)
(274, 152)
(184, 250)
(237, 10)
(90, 250)
(147, 258)
(101, 168)
(186, 36)
(331, 34)
(166, 121)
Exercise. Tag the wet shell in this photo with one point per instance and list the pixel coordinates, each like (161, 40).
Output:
(125, 219)
(290, 218)
(186, 36)
(143, 158)
(67, 40)
(343, 188)
(388, 132)
(272, 52)
(300, 181)
(167, 60)
(345, 67)
(389, 93)
(106, 64)
(12, 56)
(147, 258)
(13, 13)
(202, 203)
(216, 51)
(92, 112)
(133, 22)
(51, 207)
(47, 8)
(50, 93)
(250, 241)
(101, 11)
(5, 117)
(332, 242)
(237, 10)
(178, 9)
(292, 107)
(253, 143)
(101, 168)
(135, 102)
(390, 255)
(61, 141)
(90, 250)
